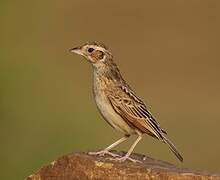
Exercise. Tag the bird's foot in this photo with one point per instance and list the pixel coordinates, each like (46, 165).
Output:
(124, 158)
(103, 153)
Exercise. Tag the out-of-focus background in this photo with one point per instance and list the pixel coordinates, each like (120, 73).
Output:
(167, 50)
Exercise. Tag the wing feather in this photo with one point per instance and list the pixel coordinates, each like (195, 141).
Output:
(133, 110)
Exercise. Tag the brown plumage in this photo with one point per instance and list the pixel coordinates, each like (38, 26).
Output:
(117, 102)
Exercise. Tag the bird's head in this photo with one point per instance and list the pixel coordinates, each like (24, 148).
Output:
(94, 52)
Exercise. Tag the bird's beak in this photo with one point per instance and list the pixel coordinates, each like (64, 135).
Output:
(76, 50)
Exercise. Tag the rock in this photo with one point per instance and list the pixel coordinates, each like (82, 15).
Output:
(83, 166)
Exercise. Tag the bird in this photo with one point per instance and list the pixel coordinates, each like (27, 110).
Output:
(118, 103)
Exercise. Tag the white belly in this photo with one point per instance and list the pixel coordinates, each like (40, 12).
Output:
(110, 115)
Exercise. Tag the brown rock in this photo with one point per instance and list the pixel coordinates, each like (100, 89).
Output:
(83, 166)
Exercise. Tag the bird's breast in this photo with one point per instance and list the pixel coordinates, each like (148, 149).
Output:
(106, 109)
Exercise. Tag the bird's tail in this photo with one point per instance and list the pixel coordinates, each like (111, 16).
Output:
(173, 148)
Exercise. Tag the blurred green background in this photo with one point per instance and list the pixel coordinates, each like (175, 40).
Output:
(167, 50)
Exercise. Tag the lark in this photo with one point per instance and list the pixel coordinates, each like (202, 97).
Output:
(118, 103)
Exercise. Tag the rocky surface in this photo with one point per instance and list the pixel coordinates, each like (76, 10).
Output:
(83, 166)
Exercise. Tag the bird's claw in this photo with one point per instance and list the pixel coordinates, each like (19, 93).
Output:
(103, 153)
(124, 158)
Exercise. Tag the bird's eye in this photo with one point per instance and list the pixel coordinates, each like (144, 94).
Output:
(90, 50)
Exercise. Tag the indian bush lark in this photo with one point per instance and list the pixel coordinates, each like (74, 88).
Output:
(118, 103)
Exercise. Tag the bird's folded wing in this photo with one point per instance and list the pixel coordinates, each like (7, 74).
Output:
(134, 112)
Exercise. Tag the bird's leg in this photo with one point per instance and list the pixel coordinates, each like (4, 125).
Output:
(126, 157)
(106, 150)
